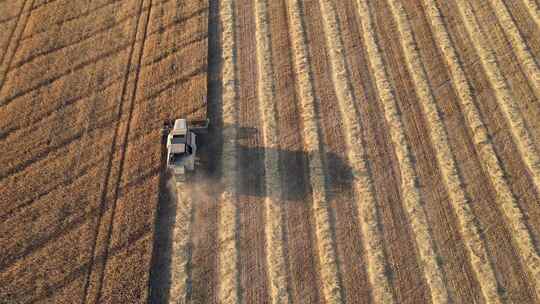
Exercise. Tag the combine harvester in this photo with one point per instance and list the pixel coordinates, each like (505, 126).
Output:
(182, 146)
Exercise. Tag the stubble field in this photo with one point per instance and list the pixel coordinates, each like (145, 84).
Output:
(359, 151)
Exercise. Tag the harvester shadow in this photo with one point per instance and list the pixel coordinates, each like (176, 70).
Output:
(292, 169)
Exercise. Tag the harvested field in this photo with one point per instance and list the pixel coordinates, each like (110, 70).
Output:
(358, 152)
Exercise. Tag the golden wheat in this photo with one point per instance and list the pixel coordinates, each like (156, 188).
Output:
(499, 84)
(411, 194)
(526, 59)
(180, 246)
(357, 156)
(229, 289)
(275, 254)
(13, 44)
(522, 235)
(533, 9)
(373, 244)
(332, 288)
(445, 158)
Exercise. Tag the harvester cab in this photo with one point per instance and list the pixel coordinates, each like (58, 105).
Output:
(182, 146)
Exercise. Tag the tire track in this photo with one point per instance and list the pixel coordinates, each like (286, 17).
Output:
(43, 154)
(508, 105)
(312, 134)
(275, 247)
(83, 64)
(103, 197)
(125, 144)
(90, 35)
(527, 61)
(23, 163)
(533, 9)
(13, 129)
(80, 40)
(411, 195)
(61, 22)
(228, 273)
(65, 183)
(516, 218)
(7, 56)
(445, 157)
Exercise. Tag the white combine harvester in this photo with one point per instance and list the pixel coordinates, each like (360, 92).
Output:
(182, 146)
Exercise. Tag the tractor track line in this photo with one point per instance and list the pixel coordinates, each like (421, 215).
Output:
(65, 183)
(82, 15)
(21, 167)
(110, 82)
(103, 196)
(312, 133)
(125, 145)
(470, 231)
(79, 40)
(228, 244)
(93, 34)
(61, 22)
(363, 181)
(526, 60)
(6, 101)
(522, 235)
(13, 46)
(509, 106)
(43, 241)
(80, 270)
(412, 201)
(59, 232)
(274, 230)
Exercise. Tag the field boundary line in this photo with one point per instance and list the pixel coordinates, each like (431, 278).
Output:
(274, 230)
(411, 196)
(13, 46)
(228, 247)
(366, 204)
(533, 9)
(521, 49)
(103, 196)
(498, 82)
(468, 223)
(523, 239)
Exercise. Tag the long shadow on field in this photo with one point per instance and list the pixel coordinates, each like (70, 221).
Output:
(206, 189)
